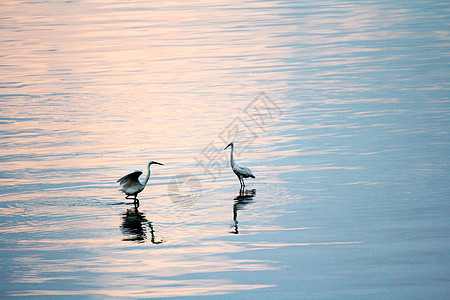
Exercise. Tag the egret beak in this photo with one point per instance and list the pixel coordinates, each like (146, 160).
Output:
(155, 162)
(227, 146)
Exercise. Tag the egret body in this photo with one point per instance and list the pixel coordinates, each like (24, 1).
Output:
(131, 185)
(240, 170)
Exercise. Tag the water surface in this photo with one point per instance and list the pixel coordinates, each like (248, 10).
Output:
(341, 110)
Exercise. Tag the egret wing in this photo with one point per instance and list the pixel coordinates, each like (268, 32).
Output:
(130, 178)
(243, 171)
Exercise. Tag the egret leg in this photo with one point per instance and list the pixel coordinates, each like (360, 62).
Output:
(241, 191)
(136, 201)
(242, 182)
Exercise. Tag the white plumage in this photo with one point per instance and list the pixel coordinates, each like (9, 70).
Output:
(238, 169)
(131, 185)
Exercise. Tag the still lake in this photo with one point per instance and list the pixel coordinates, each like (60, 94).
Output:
(340, 109)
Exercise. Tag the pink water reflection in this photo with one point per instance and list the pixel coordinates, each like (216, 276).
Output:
(91, 90)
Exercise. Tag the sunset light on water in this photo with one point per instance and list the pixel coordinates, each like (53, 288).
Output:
(339, 108)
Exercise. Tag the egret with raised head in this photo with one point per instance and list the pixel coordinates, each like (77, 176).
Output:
(131, 185)
(240, 171)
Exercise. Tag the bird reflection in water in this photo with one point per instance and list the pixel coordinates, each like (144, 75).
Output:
(245, 197)
(134, 227)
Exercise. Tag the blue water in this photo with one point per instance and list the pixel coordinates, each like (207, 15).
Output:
(340, 109)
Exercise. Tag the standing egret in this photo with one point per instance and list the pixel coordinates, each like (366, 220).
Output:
(131, 185)
(240, 171)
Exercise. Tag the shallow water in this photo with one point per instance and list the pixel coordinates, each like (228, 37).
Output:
(340, 109)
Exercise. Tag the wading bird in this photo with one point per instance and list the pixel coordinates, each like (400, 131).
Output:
(240, 171)
(131, 185)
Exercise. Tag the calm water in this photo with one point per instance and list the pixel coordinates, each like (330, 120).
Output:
(340, 109)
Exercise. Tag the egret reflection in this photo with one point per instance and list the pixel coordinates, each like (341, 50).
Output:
(245, 197)
(135, 227)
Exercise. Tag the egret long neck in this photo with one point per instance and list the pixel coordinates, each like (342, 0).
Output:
(232, 157)
(148, 175)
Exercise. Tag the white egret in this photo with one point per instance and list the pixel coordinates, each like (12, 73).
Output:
(240, 171)
(131, 185)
